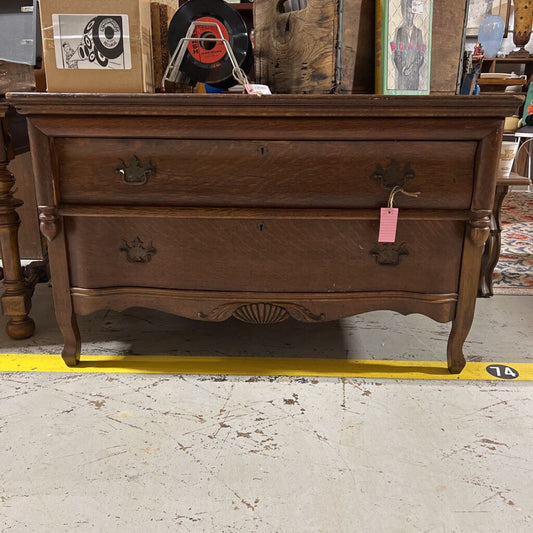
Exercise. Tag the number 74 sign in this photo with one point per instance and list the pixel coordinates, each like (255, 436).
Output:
(502, 371)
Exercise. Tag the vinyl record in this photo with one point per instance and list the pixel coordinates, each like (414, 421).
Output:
(102, 40)
(246, 66)
(209, 62)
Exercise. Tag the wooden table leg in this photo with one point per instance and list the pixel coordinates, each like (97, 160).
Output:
(52, 228)
(16, 300)
(478, 230)
(491, 252)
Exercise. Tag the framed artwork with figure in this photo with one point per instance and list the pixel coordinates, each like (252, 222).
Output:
(403, 46)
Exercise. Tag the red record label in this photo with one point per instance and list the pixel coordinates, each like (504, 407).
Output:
(208, 51)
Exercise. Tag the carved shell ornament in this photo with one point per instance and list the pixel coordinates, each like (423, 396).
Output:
(261, 312)
(137, 251)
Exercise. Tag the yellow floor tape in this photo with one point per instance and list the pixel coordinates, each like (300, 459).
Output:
(266, 366)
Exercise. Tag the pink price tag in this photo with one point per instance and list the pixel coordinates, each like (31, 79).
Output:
(387, 224)
(256, 88)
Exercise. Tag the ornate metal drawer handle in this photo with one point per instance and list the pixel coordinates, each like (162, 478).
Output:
(394, 175)
(137, 251)
(135, 173)
(388, 253)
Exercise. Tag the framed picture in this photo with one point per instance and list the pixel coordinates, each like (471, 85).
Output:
(479, 8)
(403, 46)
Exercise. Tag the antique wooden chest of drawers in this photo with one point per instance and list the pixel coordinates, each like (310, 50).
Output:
(264, 208)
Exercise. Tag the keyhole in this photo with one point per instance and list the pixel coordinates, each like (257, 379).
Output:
(263, 150)
(261, 227)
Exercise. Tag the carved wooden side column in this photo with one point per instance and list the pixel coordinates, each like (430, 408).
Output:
(16, 299)
(51, 226)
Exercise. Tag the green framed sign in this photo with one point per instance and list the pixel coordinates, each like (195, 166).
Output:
(403, 46)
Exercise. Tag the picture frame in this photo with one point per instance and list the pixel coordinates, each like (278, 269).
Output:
(478, 9)
(403, 46)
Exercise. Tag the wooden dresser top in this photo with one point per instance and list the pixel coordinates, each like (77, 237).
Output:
(349, 106)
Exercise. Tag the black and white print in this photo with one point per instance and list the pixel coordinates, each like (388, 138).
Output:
(92, 41)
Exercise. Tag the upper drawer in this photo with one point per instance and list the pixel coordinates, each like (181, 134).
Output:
(336, 174)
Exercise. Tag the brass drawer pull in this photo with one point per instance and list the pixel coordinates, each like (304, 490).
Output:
(394, 175)
(388, 253)
(137, 251)
(135, 173)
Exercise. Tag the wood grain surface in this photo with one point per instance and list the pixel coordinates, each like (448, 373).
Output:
(263, 255)
(333, 174)
(295, 52)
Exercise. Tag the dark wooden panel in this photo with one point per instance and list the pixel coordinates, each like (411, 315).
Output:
(448, 22)
(266, 256)
(270, 173)
(357, 46)
(29, 237)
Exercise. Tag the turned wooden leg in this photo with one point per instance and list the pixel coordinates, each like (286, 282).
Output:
(16, 300)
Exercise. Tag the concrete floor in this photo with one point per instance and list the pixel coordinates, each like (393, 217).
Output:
(139, 452)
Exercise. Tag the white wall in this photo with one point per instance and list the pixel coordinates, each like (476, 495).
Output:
(507, 45)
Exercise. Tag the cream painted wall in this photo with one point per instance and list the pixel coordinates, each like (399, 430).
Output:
(507, 45)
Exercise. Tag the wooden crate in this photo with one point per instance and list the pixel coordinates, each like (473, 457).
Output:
(15, 77)
(327, 47)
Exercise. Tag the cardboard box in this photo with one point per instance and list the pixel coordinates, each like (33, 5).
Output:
(97, 45)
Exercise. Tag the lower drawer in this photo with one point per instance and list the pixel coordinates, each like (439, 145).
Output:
(263, 255)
